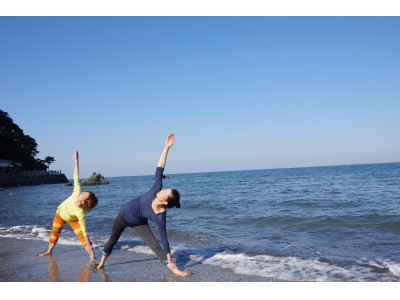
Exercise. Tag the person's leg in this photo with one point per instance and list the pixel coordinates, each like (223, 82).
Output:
(118, 227)
(76, 227)
(145, 233)
(148, 237)
(58, 224)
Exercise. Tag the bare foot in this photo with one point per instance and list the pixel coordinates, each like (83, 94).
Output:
(45, 254)
(176, 271)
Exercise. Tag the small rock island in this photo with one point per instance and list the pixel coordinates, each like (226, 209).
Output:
(95, 179)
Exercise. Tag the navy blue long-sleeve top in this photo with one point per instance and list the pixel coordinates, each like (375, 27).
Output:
(138, 211)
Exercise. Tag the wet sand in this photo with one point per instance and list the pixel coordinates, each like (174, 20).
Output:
(25, 274)
(19, 262)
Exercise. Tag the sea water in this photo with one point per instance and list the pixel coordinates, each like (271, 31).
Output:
(338, 223)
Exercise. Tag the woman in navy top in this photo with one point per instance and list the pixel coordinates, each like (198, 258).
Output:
(152, 206)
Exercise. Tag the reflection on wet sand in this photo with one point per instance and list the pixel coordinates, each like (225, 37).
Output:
(84, 275)
(54, 274)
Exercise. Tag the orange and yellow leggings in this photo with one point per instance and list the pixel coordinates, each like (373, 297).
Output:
(58, 224)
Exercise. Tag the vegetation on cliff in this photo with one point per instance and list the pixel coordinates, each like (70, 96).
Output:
(18, 147)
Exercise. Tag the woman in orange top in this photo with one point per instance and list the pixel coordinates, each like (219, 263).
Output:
(72, 211)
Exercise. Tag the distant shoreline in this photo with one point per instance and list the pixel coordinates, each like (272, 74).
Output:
(32, 179)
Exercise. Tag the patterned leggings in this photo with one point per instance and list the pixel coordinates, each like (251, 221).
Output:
(58, 224)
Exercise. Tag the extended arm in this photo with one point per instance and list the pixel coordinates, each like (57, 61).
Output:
(168, 144)
(77, 186)
(76, 158)
(81, 218)
(89, 248)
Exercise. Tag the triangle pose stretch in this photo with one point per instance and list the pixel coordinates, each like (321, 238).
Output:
(152, 206)
(73, 211)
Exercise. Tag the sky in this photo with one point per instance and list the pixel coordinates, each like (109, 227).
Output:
(240, 93)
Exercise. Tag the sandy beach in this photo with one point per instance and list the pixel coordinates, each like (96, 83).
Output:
(24, 273)
(19, 262)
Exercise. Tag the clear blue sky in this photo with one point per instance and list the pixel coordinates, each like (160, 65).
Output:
(238, 92)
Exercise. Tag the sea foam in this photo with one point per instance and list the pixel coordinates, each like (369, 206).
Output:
(141, 249)
(33, 232)
(294, 269)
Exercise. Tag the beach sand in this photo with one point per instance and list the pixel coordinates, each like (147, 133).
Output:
(19, 262)
(25, 274)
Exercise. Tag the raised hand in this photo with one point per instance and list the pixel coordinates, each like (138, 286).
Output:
(170, 140)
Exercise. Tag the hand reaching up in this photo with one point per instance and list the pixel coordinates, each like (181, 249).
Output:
(170, 140)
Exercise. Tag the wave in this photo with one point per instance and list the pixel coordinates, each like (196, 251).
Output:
(297, 269)
(138, 249)
(277, 268)
(394, 268)
(39, 233)
(32, 232)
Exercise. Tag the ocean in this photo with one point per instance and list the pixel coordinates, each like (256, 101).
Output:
(339, 223)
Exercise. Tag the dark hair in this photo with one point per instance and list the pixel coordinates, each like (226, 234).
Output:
(90, 202)
(173, 200)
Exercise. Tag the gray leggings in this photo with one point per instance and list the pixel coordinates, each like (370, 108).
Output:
(142, 230)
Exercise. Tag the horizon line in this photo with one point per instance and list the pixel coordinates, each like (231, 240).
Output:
(250, 170)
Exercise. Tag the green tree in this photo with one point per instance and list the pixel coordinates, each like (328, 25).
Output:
(48, 161)
(16, 146)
